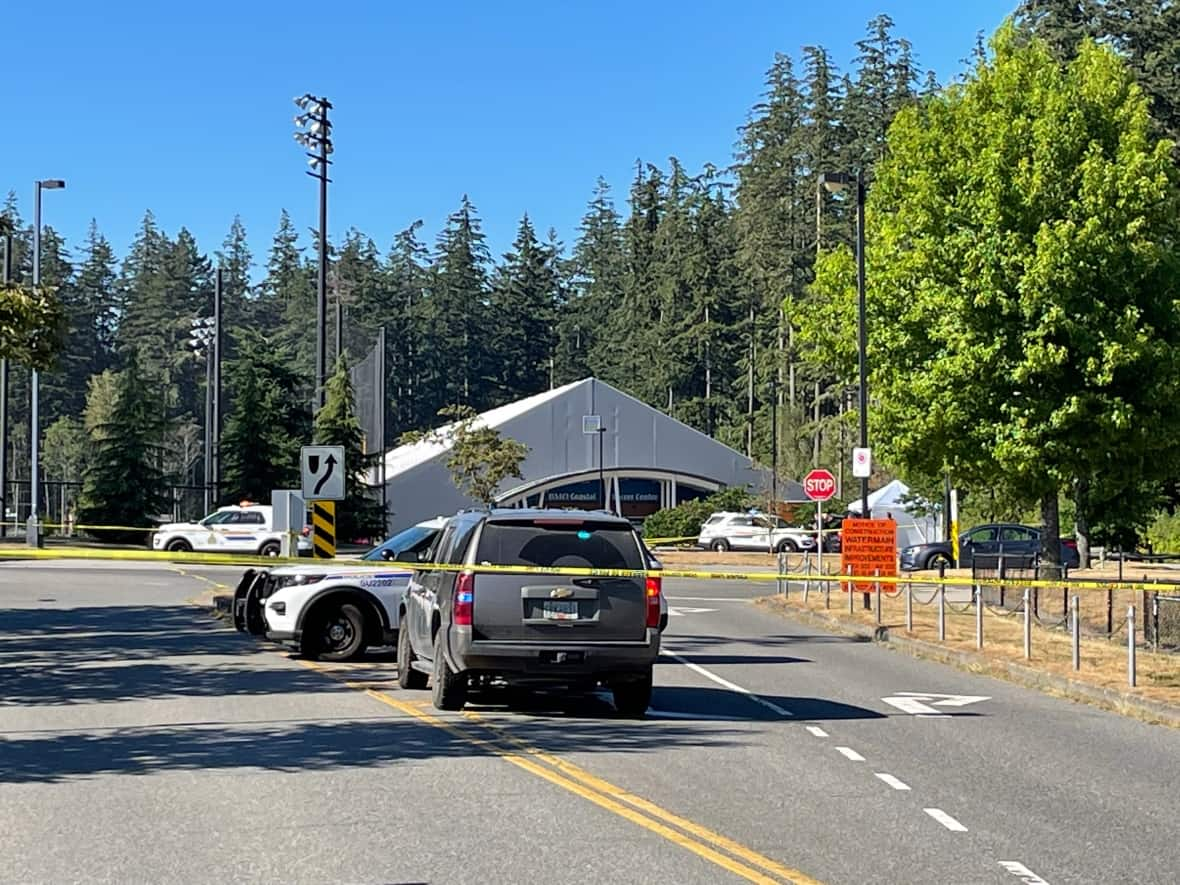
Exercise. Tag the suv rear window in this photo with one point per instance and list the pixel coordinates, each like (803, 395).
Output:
(574, 545)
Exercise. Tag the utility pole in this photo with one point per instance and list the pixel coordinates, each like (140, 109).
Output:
(6, 280)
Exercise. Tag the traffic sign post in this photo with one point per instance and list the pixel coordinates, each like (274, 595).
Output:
(819, 485)
(321, 470)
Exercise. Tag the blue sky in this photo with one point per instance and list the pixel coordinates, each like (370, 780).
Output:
(187, 109)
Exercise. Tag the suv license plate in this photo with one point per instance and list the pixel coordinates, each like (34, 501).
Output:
(560, 610)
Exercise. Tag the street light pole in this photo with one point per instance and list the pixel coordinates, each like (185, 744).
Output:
(33, 532)
(861, 334)
(215, 358)
(5, 280)
(834, 182)
(318, 141)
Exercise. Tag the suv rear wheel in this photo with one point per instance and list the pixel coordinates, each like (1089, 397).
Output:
(270, 548)
(449, 691)
(633, 697)
(407, 676)
(787, 546)
(720, 545)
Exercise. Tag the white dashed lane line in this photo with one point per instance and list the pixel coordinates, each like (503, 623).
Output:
(817, 731)
(946, 820)
(1016, 868)
(892, 781)
(849, 753)
(725, 683)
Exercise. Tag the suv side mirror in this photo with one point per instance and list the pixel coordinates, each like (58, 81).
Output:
(387, 554)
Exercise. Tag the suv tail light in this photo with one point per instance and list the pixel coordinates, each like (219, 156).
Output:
(1070, 543)
(464, 600)
(653, 601)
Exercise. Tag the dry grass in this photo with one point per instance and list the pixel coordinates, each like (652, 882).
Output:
(1103, 661)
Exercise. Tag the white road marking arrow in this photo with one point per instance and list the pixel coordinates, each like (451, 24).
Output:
(919, 703)
(679, 610)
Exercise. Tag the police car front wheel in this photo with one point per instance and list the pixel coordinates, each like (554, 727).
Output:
(179, 546)
(337, 633)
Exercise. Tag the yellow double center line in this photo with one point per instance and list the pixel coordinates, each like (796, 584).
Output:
(712, 846)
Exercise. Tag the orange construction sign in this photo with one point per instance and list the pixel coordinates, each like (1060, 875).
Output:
(868, 547)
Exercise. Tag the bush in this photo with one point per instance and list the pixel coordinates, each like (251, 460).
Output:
(1164, 534)
(685, 521)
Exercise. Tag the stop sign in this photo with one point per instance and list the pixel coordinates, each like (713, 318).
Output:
(819, 485)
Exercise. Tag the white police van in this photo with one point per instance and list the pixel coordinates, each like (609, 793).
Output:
(246, 528)
(335, 611)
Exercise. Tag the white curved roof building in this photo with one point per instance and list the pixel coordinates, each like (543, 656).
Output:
(649, 460)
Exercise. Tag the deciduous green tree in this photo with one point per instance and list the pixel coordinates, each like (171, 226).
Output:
(1023, 282)
(480, 459)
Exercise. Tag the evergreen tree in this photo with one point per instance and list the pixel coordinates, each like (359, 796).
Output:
(886, 81)
(88, 302)
(622, 355)
(360, 514)
(408, 350)
(524, 304)
(596, 287)
(266, 426)
(455, 313)
(235, 262)
(358, 284)
(145, 317)
(123, 484)
(286, 307)
(57, 282)
(189, 295)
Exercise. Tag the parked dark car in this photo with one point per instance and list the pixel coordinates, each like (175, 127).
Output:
(990, 540)
(466, 630)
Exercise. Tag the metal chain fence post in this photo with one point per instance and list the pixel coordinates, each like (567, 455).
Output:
(942, 612)
(827, 591)
(909, 607)
(978, 616)
(1027, 627)
(1131, 645)
(851, 609)
(1155, 618)
(1076, 631)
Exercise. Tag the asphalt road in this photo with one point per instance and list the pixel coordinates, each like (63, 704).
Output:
(140, 740)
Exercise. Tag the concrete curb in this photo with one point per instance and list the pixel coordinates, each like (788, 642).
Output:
(1050, 683)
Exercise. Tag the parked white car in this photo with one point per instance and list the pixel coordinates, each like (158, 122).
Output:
(239, 528)
(753, 531)
(333, 611)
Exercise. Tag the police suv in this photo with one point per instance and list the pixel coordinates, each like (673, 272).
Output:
(246, 528)
(333, 612)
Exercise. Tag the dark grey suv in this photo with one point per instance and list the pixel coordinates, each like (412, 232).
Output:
(467, 630)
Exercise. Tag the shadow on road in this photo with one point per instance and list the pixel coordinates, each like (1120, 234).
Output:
(308, 746)
(118, 653)
(668, 701)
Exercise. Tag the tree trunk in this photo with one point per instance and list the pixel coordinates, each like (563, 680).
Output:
(1082, 520)
(1050, 530)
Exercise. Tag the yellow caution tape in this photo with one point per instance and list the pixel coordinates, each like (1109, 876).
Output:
(18, 553)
